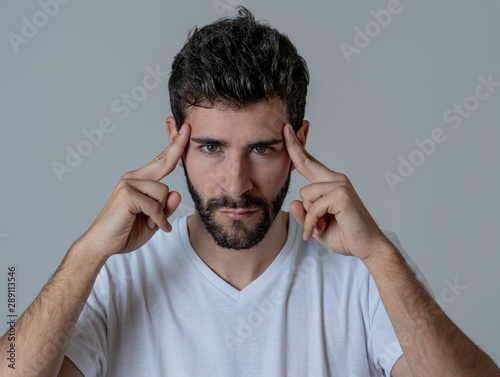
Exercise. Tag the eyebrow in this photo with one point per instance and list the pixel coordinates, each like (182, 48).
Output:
(209, 141)
(223, 143)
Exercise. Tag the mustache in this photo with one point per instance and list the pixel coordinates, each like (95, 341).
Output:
(246, 201)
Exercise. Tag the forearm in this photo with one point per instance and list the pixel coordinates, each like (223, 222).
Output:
(44, 330)
(433, 345)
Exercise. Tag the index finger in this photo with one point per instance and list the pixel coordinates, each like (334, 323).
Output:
(165, 162)
(305, 164)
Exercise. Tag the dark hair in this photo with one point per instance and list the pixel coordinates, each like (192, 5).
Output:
(235, 62)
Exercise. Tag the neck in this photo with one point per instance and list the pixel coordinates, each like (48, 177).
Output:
(238, 267)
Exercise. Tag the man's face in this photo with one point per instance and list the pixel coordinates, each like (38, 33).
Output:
(238, 171)
(238, 234)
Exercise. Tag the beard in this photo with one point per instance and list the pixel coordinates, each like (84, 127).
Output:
(238, 235)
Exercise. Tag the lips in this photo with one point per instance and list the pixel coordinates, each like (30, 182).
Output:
(238, 213)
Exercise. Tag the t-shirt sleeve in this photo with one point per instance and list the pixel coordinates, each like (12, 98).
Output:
(383, 346)
(88, 346)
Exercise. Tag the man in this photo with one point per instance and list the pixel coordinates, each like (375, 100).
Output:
(239, 288)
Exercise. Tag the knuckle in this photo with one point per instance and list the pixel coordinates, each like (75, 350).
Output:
(153, 208)
(316, 209)
(164, 191)
(124, 190)
(163, 156)
(122, 182)
(311, 208)
(307, 204)
(343, 178)
(164, 185)
(343, 193)
(127, 175)
(157, 208)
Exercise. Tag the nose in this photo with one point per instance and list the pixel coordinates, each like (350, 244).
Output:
(235, 177)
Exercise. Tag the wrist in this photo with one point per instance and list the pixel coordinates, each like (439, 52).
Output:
(384, 254)
(87, 252)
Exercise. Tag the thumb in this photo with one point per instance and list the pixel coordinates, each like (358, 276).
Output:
(173, 201)
(298, 211)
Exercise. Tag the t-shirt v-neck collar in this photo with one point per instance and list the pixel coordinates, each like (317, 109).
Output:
(255, 285)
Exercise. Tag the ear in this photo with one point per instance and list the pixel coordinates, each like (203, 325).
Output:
(303, 132)
(172, 133)
(171, 129)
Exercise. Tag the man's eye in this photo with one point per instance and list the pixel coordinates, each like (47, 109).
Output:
(261, 149)
(211, 148)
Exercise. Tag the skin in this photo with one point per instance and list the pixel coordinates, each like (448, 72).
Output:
(329, 209)
(127, 221)
(237, 168)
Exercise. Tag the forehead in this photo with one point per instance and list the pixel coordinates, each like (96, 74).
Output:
(260, 120)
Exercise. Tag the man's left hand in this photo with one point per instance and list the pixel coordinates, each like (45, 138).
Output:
(331, 210)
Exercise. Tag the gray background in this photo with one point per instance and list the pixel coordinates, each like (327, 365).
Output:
(364, 114)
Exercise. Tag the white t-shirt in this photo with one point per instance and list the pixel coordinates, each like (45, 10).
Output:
(161, 311)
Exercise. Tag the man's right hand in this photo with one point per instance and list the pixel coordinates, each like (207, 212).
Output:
(139, 205)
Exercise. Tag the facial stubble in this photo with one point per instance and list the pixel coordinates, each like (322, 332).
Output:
(238, 235)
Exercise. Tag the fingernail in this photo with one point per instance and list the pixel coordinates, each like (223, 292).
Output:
(181, 131)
